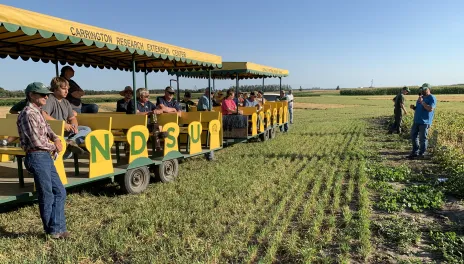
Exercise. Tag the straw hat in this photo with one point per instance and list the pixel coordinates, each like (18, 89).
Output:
(127, 88)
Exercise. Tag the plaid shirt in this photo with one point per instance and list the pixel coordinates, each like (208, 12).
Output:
(34, 132)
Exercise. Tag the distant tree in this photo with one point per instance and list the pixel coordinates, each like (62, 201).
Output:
(338, 87)
(301, 88)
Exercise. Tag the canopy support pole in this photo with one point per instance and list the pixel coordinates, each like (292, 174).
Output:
(236, 91)
(209, 88)
(56, 65)
(146, 73)
(263, 84)
(178, 89)
(214, 87)
(280, 85)
(133, 83)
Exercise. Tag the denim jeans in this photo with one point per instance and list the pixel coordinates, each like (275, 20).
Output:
(50, 191)
(79, 138)
(87, 108)
(419, 140)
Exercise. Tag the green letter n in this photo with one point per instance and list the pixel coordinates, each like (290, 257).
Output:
(94, 145)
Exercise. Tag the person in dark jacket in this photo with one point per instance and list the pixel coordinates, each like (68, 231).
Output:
(121, 105)
(75, 93)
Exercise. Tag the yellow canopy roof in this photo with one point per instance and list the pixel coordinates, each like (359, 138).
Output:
(229, 70)
(28, 34)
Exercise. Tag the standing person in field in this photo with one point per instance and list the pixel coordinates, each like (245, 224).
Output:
(121, 105)
(290, 106)
(423, 117)
(35, 136)
(75, 93)
(399, 110)
(283, 97)
(58, 108)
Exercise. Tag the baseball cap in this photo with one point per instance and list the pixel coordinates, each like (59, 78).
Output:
(169, 90)
(425, 86)
(37, 87)
(252, 94)
(406, 89)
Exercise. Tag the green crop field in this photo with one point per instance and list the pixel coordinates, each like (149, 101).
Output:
(335, 189)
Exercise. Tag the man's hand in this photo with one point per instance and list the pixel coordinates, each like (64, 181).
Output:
(68, 128)
(420, 99)
(58, 145)
(412, 107)
(405, 113)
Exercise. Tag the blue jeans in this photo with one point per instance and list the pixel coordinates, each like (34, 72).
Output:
(419, 140)
(50, 191)
(87, 108)
(79, 138)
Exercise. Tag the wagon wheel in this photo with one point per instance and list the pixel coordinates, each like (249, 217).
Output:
(135, 180)
(168, 170)
(265, 135)
(272, 133)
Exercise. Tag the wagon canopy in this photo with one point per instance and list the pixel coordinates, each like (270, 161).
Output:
(36, 36)
(229, 70)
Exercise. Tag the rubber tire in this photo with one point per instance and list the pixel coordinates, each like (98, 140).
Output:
(167, 171)
(210, 156)
(265, 136)
(135, 181)
(272, 133)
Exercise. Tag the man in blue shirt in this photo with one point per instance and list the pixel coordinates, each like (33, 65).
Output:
(203, 102)
(423, 117)
(167, 103)
(251, 101)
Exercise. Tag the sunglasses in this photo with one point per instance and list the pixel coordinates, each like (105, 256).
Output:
(145, 96)
(42, 95)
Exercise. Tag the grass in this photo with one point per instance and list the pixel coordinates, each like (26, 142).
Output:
(303, 197)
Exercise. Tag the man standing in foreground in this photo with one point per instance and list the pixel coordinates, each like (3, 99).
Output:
(399, 110)
(35, 135)
(423, 117)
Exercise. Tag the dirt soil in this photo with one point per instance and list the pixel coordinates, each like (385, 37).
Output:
(393, 150)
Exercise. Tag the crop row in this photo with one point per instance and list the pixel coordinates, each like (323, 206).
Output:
(457, 89)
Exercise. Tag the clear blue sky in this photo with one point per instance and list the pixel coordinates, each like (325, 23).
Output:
(322, 43)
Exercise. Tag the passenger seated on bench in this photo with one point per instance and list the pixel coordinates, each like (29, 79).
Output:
(203, 102)
(60, 109)
(252, 102)
(228, 106)
(261, 99)
(187, 101)
(167, 103)
(121, 105)
(75, 93)
(146, 107)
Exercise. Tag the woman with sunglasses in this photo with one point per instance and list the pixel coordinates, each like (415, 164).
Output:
(146, 107)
